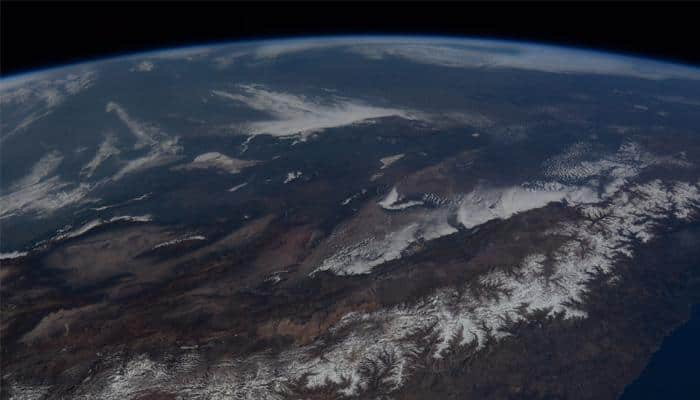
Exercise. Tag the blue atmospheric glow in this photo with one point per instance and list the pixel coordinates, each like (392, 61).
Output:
(344, 39)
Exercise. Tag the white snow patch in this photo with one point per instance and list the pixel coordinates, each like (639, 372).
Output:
(276, 277)
(477, 207)
(28, 392)
(12, 255)
(382, 339)
(142, 197)
(292, 176)
(129, 218)
(394, 201)
(90, 225)
(387, 161)
(353, 197)
(237, 187)
(376, 176)
(390, 198)
(485, 203)
(632, 215)
(607, 231)
(107, 207)
(180, 240)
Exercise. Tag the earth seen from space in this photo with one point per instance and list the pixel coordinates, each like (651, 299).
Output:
(346, 218)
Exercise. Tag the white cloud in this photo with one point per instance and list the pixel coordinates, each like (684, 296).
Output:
(609, 227)
(218, 161)
(48, 87)
(178, 54)
(388, 160)
(106, 150)
(43, 197)
(493, 54)
(472, 209)
(145, 135)
(237, 187)
(155, 158)
(188, 238)
(364, 255)
(479, 53)
(488, 202)
(229, 58)
(293, 115)
(353, 197)
(680, 100)
(39, 94)
(162, 148)
(37, 192)
(578, 164)
(485, 204)
(143, 66)
(634, 212)
(275, 49)
(42, 169)
(292, 176)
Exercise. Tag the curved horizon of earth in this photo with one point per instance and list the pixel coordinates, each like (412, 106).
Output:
(346, 217)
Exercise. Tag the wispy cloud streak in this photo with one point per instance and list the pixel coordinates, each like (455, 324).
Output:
(294, 115)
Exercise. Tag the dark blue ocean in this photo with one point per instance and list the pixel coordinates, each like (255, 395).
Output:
(674, 370)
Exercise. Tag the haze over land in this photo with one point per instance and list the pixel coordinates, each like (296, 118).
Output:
(375, 217)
